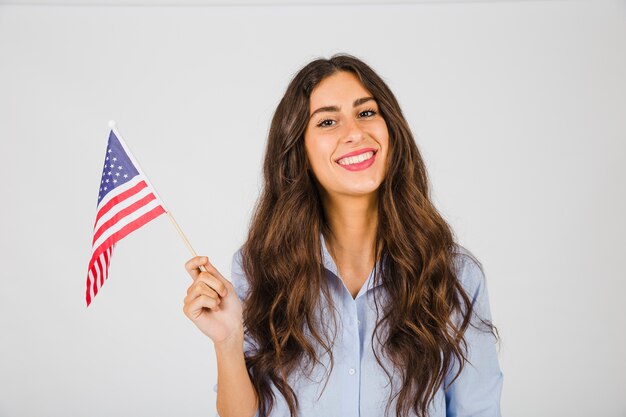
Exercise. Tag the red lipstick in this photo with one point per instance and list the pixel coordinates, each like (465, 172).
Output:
(359, 166)
(358, 152)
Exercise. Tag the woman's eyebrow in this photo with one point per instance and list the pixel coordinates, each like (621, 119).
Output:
(356, 103)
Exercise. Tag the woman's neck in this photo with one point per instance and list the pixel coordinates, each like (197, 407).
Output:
(353, 222)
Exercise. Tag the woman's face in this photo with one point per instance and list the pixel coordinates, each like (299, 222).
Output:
(346, 139)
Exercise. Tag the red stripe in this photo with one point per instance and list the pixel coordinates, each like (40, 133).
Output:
(88, 295)
(119, 198)
(123, 213)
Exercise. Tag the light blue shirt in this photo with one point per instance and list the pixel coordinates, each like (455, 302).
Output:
(357, 385)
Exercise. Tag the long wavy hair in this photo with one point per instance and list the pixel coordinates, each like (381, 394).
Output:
(422, 333)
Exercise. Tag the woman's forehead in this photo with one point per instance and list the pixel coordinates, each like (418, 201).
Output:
(340, 87)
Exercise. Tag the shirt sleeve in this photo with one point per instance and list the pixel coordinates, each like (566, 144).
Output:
(240, 282)
(477, 390)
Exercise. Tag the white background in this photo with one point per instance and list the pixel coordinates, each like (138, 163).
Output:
(519, 108)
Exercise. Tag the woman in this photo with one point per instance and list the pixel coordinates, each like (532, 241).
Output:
(350, 296)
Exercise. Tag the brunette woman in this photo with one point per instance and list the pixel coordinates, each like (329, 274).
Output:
(350, 296)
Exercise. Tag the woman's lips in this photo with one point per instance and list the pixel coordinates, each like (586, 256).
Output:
(359, 166)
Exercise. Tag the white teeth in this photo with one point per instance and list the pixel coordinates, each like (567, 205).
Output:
(356, 159)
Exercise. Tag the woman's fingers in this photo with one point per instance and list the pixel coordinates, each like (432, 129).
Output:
(213, 271)
(200, 288)
(200, 291)
(208, 280)
(193, 265)
(193, 308)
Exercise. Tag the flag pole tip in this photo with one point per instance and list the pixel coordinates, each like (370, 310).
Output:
(111, 124)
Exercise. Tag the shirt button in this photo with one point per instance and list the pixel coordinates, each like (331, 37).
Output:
(215, 388)
(352, 371)
(358, 322)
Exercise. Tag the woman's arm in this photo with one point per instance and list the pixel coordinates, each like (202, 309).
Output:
(235, 393)
(213, 305)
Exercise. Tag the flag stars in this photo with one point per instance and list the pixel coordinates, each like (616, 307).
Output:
(114, 181)
(114, 159)
(117, 174)
(105, 188)
(125, 175)
(109, 173)
(107, 158)
(112, 166)
(109, 151)
(107, 180)
(119, 167)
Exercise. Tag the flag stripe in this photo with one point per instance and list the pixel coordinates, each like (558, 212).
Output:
(89, 281)
(106, 261)
(124, 221)
(130, 188)
(138, 193)
(98, 275)
(118, 189)
(123, 213)
(103, 267)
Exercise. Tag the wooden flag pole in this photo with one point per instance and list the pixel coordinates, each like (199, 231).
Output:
(113, 126)
(182, 235)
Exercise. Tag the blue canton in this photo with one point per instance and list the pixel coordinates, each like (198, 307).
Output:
(118, 168)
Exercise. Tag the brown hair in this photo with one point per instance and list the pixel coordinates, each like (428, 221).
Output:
(423, 332)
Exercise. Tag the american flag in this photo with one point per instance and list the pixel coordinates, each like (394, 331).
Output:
(126, 201)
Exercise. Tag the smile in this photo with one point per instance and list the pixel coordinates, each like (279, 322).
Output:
(358, 162)
(351, 160)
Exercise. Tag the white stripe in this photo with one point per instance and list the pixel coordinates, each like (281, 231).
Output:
(120, 189)
(121, 206)
(100, 272)
(124, 221)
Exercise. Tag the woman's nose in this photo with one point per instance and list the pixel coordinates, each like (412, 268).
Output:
(354, 132)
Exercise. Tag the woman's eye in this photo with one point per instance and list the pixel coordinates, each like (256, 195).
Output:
(325, 123)
(367, 113)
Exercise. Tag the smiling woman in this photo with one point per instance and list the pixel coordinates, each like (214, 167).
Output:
(350, 296)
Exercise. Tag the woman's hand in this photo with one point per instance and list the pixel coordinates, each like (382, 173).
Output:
(212, 304)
